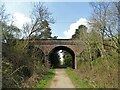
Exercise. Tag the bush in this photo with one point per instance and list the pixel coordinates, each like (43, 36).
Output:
(100, 73)
(21, 64)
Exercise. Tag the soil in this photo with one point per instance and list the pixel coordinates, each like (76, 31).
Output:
(61, 80)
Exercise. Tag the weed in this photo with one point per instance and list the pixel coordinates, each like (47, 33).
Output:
(46, 79)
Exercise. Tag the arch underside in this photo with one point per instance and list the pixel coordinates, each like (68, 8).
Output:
(69, 50)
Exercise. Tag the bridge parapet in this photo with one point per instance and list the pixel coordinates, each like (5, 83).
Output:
(56, 42)
(46, 45)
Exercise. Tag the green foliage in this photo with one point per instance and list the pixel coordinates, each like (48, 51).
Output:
(41, 18)
(11, 77)
(67, 59)
(43, 34)
(22, 66)
(22, 63)
(100, 54)
(91, 71)
(46, 79)
(80, 33)
(97, 58)
(79, 83)
(54, 59)
(46, 34)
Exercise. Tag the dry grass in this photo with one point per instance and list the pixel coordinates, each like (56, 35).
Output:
(99, 73)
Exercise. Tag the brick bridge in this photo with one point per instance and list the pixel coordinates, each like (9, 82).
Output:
(74, 47)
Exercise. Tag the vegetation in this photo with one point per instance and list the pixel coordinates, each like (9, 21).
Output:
(22, 67)
(44, 83)
(76, 79)
(54, 59)
(23, 64)
(98, 63)
(67, 62)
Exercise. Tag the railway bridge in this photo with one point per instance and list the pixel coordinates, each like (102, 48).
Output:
(48, 46)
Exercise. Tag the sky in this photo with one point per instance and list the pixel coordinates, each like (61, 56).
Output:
(67, 15)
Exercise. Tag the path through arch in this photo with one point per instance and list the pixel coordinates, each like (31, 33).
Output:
(57, 48)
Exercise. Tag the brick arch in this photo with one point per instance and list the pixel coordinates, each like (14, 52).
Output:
(66, 49)
(47, 45)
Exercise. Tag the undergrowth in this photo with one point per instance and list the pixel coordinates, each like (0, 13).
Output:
(46, 80)
(76, 80)
(99, 73)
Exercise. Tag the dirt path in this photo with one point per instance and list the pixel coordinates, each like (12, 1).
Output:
(61, 80)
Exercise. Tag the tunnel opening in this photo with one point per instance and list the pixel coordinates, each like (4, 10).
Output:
(62, 57)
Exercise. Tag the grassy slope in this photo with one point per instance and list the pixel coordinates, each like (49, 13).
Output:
(75, 79)
(46, 80)
(104, 74)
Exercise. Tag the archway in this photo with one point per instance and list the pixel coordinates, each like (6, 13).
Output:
(65, 48)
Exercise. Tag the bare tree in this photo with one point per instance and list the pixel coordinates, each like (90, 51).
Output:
(117, 14)
(104, 20)
(3, 22)
(40, 20)
(40, 16)
(3, 15)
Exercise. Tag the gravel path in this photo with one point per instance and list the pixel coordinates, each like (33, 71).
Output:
(61, 80)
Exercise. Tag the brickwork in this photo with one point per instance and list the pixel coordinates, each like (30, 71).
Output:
(48, 45)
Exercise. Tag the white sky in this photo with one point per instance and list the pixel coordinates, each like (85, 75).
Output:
(74, 26)
(60, 0)
(20, 19)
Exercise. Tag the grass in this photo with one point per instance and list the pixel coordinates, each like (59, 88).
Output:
(46, 80)
(102, 73)
(76, 80)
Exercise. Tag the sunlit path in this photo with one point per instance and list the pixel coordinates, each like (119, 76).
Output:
(61, 80)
